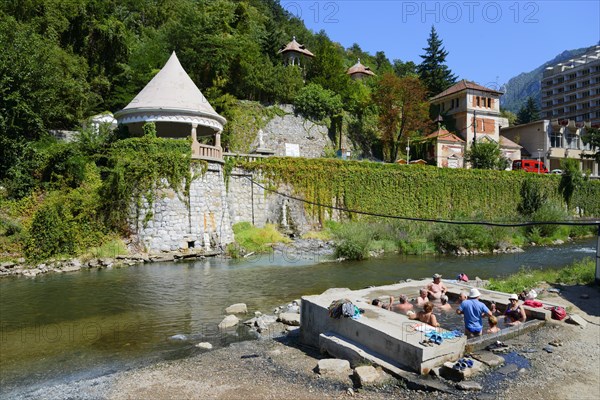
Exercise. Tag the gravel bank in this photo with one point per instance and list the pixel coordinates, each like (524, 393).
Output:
(281, 369)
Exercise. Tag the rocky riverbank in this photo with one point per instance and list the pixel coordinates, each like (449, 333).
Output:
(313, 249)
(279, 367)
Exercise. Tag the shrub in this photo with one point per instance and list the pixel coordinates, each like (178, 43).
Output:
(254, 239)
(549, 212)
(532, 197)
(317, 103)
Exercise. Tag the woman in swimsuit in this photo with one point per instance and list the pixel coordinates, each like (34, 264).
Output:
(514, 314)
(427, 316)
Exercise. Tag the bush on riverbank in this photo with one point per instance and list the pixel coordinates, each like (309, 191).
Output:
(357, 240)
(578, 273)
(249, 238)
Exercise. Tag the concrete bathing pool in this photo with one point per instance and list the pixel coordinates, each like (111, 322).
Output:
(391, 339)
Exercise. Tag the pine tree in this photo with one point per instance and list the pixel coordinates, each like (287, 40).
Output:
(529, 112)
(433, 71)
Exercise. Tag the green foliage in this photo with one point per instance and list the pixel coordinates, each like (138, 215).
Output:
(529, 112)
(449, 238)
(510, 116)
(317, 103)
(149, 129)
(137, 168)
(353, 241)
(253, 239)
(578, 273)
(549, 211)
(592, 137)
(433, 71)
(532, 197)
(410, 191)
(68, 221)
(570, 180)
(486, 155)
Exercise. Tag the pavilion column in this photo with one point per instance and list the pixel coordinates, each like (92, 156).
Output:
(218, 139)
(195, 144)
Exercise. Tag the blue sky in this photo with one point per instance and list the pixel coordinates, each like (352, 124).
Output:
(488, 42)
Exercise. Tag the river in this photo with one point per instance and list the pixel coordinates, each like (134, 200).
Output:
(62, 327)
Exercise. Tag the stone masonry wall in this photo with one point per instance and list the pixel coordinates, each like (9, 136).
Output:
(250, 202)
(284, 134)
(207, 223)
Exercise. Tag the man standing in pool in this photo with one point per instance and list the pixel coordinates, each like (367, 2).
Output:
(436, 289)
(473, 310)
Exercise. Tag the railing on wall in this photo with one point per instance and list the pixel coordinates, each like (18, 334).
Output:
(206, 152)
(246, 157)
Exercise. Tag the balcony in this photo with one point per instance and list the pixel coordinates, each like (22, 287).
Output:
(205, 152)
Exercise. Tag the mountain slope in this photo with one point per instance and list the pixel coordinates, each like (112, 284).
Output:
(527, 84)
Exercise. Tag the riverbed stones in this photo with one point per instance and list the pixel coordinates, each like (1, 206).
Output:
(228, 322)
(238, 308)
(333, 366)
(449, 372)
(204, 345)
(289, 319)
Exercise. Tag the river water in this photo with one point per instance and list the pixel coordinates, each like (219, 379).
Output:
(61, 327)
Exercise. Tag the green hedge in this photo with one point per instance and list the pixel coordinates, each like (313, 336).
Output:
(413, 191)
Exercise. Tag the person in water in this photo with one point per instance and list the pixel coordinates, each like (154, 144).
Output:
(444, 306)
(426, 315)
(493, 321)
(436, 289)
(515, 313)
(472, 309)
(403, 306)
(422, 299)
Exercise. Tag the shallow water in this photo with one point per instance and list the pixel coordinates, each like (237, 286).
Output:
(59, 327)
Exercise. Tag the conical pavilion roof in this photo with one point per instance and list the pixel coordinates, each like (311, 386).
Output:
(171, 91)
(359, 68)
(297, 47)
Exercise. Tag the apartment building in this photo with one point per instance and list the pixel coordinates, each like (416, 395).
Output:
(571, 90)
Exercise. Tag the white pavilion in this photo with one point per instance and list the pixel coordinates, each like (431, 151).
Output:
(178, 108)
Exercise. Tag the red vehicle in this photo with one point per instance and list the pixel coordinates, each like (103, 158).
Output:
(530, 166)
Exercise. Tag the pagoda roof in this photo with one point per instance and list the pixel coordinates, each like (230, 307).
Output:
(359, 68)
(295, 46)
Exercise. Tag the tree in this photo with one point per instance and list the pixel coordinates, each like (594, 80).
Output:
(403, 111)
(433, 71)
(510, 116)
(592, 137)
(486, 155)
(402, 69)
(529, 112)
(570, 179)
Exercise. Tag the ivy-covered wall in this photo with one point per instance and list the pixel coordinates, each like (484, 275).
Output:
(411, 191)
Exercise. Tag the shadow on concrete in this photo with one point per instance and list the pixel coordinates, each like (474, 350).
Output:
(586, 298)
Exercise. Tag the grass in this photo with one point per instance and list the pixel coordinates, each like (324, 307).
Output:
(579, 273)
(109, 249)
(259, 240)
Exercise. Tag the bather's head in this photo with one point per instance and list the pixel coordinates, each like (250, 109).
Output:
(444, 299)
(423, 293)
(428, 307)
(403, 299)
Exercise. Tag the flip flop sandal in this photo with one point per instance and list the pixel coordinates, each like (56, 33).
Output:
(469, 363)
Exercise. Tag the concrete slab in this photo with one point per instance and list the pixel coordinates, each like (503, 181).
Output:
(488, 358)
(379, 330)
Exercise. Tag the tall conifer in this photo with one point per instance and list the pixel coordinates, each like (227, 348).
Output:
(433, 71)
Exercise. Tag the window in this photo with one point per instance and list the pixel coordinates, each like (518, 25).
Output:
(478, 102)
(457, 102)
(556, 139)
(489, 102)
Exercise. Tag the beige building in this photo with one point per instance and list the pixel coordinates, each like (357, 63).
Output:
(552, 141)
(476, 111)
(571, 90)
(448, 150)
